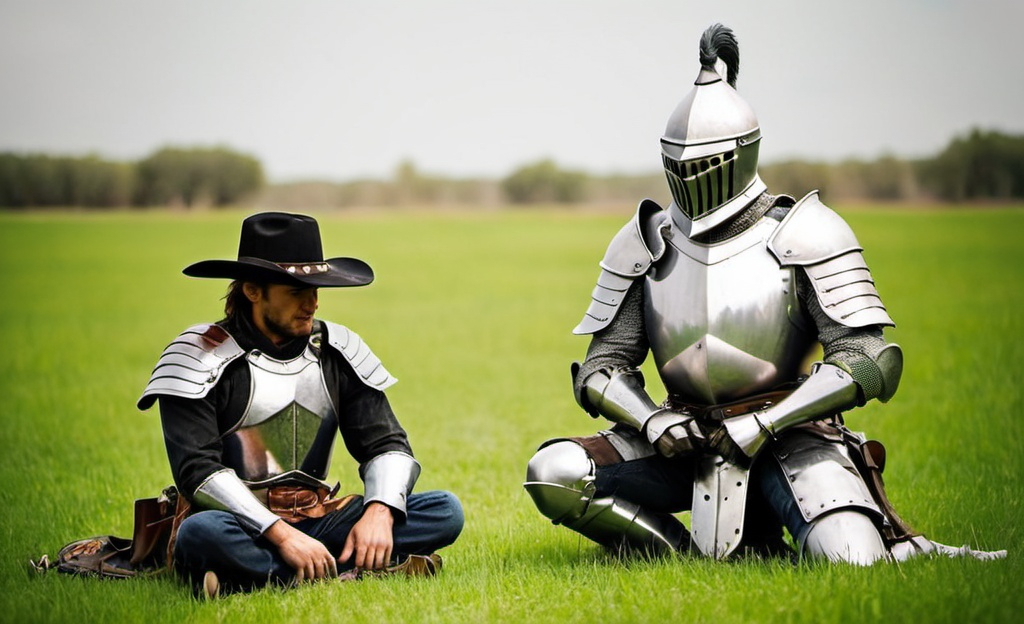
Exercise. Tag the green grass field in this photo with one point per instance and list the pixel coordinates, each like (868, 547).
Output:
(473, 314)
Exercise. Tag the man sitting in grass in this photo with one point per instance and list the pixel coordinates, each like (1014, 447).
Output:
(251, 407)
(731, 289)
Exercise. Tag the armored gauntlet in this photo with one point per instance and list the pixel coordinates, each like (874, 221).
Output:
(619, 396)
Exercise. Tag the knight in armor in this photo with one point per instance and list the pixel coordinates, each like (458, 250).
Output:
(731, 289)
(251, 407)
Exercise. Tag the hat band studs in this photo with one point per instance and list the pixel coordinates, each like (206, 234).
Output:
(306, 268)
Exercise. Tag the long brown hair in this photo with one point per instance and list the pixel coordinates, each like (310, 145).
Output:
(235, 301)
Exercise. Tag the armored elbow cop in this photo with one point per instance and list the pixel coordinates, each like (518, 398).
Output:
(879, 376)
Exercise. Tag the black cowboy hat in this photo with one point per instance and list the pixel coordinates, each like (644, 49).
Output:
(282, 248)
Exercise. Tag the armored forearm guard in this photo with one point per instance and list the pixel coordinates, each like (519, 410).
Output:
(827, 391)
(619, 396)
(223, 490)
(389, 478)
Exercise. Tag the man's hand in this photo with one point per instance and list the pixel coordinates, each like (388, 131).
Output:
(673, 434)
(309, 557)
(371, 538)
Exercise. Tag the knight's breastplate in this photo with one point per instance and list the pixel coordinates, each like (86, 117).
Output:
(724, 320)
(289, 423)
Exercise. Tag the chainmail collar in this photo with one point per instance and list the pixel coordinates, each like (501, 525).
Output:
(743, 220)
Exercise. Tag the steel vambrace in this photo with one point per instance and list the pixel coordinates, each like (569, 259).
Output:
(827, 391)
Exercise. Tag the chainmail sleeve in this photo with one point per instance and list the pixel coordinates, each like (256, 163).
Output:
(623, 344)
(854, 349)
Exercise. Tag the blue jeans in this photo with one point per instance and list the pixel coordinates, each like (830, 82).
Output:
(244, 560)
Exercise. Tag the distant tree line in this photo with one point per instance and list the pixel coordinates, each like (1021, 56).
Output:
(170, 176)
(979, 166)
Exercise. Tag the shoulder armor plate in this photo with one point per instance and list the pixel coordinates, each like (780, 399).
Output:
(367, 365)
(639, 243)
(814, 237)
(191, 365)
(810, 233)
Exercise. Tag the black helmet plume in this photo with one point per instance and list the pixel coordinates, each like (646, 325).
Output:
(716, 43)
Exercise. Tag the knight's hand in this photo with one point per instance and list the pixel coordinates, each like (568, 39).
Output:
(673, 434)
(739, 439)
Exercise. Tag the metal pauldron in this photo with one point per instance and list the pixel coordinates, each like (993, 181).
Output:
(191, 365)
(389, 478)
(224, 491)
(815, 237)
(359, 355)
(630, 254)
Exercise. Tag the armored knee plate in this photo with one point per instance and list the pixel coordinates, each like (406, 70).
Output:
(841, 516)
(560, 479)
(844, 536)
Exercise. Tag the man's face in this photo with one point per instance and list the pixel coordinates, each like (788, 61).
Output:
(282, 312)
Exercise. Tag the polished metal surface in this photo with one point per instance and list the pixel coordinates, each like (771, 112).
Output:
(560, 480)
(823, 478)
(890, 364)
(629, 256)
(719, 506)
(366, 364)
(224, 491)
(730, 208)
(629, 443)
(814, 237)
(290, 422)
(827, 391)
(191, 365)
(710, 151)
(922, 546)
(389, 478)
(724, 321)
(614, 522)
(619, 396)
(844, 536)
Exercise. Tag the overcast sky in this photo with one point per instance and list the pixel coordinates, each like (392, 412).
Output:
(340, 89)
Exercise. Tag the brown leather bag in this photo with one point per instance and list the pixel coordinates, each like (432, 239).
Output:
(148, 552)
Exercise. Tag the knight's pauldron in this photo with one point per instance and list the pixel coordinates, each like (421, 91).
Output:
(814, 237)
(639, 244)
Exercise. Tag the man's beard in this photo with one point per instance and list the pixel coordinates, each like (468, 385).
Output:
(279, 330)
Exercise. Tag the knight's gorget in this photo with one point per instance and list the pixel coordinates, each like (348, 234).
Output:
(289, 423)
(723, 320)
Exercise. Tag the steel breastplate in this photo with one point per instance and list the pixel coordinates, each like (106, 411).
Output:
(289, 423)
(724, 320)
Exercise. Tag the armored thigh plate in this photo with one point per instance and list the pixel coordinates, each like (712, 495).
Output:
(822, 477)
(289, 424)
(724, 320)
